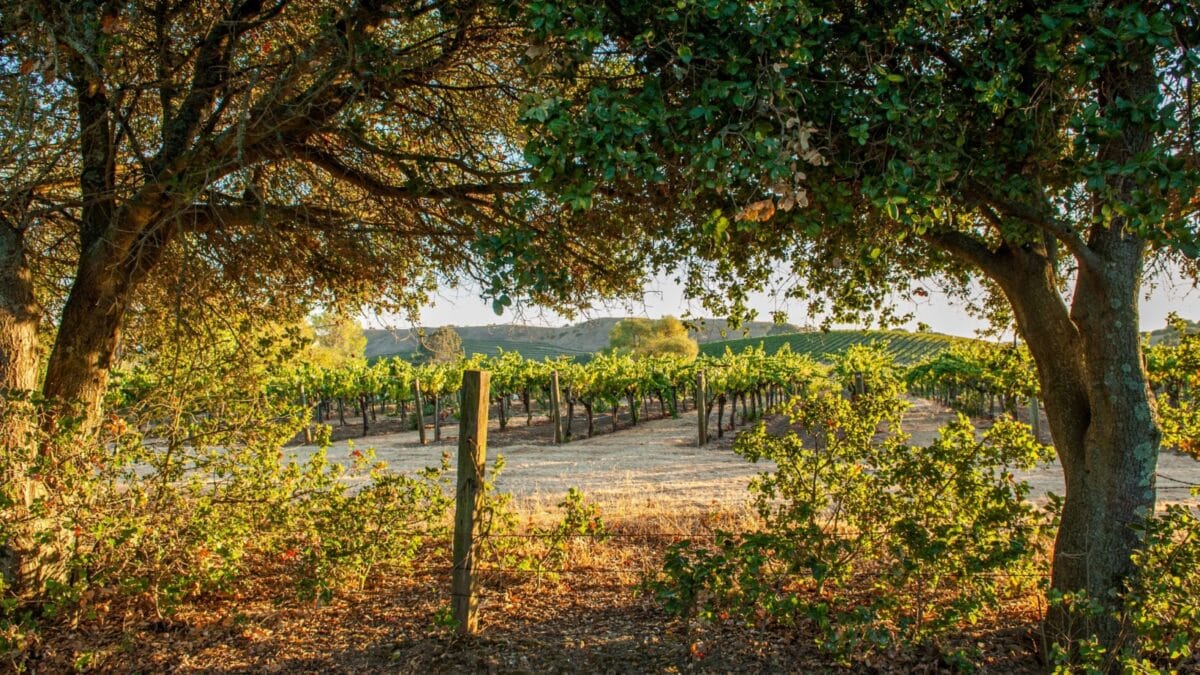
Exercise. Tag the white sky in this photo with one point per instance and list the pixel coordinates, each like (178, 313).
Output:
(464, 307)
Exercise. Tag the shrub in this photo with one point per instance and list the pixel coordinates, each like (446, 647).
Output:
(871, 541)
(156, 523)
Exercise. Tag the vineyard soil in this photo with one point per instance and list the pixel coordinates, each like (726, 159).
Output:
(658, 461)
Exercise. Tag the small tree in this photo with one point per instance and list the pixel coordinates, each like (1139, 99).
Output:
(646, 337)
(442, 346)
(337, 340)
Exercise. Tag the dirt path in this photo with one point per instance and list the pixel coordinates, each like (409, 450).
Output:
(658, 461)
(655, 461)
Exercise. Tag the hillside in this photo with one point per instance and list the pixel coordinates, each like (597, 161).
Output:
(1169, 335)
(381, 343)
(582, 338)
(906, 347)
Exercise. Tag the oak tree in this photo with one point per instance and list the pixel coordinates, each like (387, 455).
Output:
(1047, 150)
(166, 156)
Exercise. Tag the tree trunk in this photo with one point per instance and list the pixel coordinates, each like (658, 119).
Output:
(28, 559)
(88, 336)
(89, 333)
(587, 406)
(1101, 417)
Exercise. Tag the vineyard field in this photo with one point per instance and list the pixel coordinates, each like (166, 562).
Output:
(905, 347)
(493, 347)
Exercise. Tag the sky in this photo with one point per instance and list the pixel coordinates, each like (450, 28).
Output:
(463, 306)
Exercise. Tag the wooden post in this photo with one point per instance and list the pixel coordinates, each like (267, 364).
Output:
(472, 455)
(555, 407)
(1035, 420)
(702, 407)
(437, 418)
(420, 410)
(308, 420)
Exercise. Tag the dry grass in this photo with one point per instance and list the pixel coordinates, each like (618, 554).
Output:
(591, 616)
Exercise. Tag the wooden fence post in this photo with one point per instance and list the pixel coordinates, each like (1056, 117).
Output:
(308, 421)
(472, 455)
(702, 407)
(1035, 420)
(556, 407)
(437, 417)
(420, 410)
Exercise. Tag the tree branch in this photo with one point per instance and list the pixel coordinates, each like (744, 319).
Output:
(968, 249)
(462, 192)
(1074, 242)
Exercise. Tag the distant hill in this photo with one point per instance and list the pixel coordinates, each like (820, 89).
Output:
(578, 339)
(1168, 335)
(714, 335)
(906, 347)
(381, 343)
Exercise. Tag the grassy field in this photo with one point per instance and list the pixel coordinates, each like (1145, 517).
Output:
(906, 347)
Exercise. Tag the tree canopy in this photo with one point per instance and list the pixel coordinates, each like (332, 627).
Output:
(648, 337)
(165, 163)
(442, 345)
(1048, 151)
(882, 135)
(337, 339)
(161, 157)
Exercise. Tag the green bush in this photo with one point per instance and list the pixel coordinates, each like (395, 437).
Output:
(1161, 605)
(154, 523)
(869, 540)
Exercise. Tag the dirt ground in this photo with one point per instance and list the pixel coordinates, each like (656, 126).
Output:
(655, 487)
(592, 619)
(657, 462)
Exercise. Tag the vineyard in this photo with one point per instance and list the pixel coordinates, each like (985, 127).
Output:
(209, 464)
(841, 403)
(972, 376)
(497, 346)
(905, 347)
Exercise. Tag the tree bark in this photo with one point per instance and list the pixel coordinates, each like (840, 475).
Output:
(28, 559)
(1101, 417)
(19, 317)
(89, 334)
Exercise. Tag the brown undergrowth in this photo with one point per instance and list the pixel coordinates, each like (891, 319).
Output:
(588, 615)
